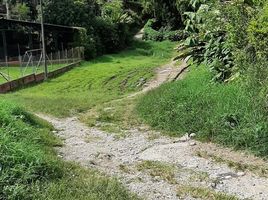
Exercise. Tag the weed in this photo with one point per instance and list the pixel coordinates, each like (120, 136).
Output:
(202, 193)
(159, 169)
(256, 169)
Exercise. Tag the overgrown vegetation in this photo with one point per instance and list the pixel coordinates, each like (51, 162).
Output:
(107, 24)
(224, 99)
(165, 19)
(30, 169)
(227, 114)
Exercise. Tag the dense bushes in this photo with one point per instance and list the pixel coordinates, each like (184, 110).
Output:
(258, 32)
(150, 33)
(168, 13)
(112, 37)
(108, 26)
(106, 37)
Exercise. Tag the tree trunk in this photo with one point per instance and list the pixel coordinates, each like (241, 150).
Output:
(8, 9)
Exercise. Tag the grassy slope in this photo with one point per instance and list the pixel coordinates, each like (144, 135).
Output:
(30, 169)
(101, 80)
(222, 113)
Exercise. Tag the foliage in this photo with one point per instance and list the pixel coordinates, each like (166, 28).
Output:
(113, 11)
(246, 35)
(162, 34)
(206, 42)
(106, 23)
(150, 33)
(71, 12)
(217, 32)
(227, 114)
(110, 37)
(168, 13)
(22, 11)
(258, 31)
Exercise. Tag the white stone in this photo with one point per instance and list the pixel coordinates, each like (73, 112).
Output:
(192, 143)
(192, 135)
(241, 173)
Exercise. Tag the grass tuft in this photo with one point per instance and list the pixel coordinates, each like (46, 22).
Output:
(159, 169)
(202, 193)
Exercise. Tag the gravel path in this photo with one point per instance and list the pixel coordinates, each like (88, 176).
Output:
(94, 148)
(121, 157)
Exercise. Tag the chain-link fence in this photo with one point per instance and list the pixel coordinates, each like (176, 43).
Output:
(32, 62)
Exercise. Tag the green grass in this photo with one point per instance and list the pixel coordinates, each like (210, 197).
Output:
(30, 169)
(15, 72)
(224, 113)
(95, 82)
(114, 117)
(158, 169)
(202, 193)
(258, 169)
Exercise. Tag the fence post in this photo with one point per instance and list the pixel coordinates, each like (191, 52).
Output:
(79, 54)
(66, 55)
(51, 60)
(73, 54)
(20, 60)
(59, 57)
(32, 62)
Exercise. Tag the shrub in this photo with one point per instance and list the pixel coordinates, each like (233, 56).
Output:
(258, 32)
(107, 25)
(163, 33)
(150, 33)
(110, 37)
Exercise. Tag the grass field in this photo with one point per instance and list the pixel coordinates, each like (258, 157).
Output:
(224, 113)
(17, 72)
(95, 82)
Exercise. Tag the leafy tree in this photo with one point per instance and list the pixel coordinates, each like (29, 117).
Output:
(22, 11)
(168, 13)
(71, 12)
(106, 22)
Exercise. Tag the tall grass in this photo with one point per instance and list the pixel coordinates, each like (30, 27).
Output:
(224, 113)
(30, 169)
